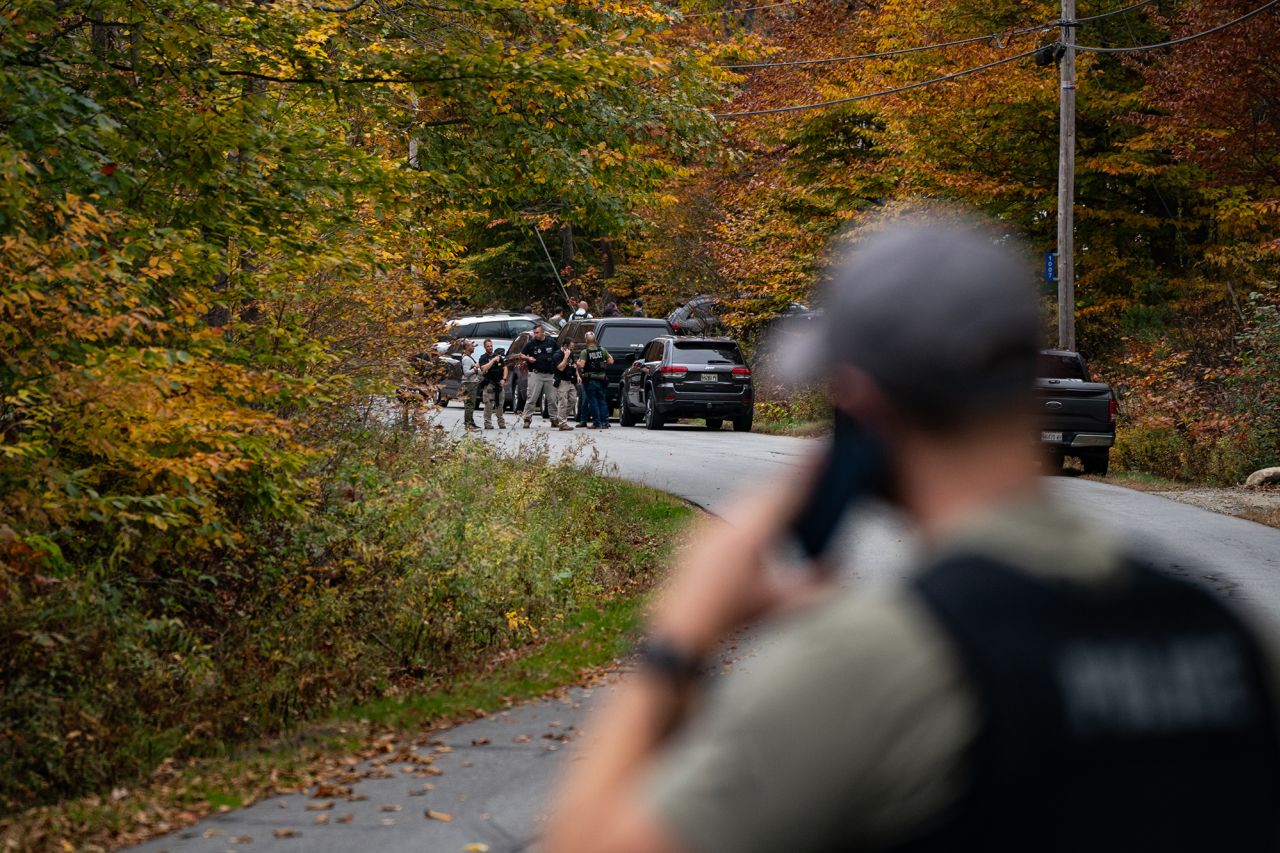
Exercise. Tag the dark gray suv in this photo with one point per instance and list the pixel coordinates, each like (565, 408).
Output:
(688, 378)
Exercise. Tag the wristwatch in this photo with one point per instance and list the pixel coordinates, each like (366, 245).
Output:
(663, 658)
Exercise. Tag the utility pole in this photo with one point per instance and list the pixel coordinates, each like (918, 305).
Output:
(1067, 180)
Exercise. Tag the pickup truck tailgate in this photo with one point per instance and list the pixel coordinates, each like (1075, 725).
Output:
(1072, 406)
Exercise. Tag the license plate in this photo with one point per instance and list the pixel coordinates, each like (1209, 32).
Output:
(709, 377)
(1051, 436)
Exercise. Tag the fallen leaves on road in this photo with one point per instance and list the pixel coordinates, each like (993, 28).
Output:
(432, 814)
(286, 833)
(320, 806)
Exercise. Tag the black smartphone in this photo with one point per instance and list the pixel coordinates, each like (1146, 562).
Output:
(855, 469)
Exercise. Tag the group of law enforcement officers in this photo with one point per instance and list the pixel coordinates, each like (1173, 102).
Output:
(555, 375)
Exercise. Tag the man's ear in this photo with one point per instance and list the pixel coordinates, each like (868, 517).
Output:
(857, 394)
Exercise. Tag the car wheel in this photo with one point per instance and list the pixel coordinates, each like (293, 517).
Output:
(625, 418)
(652, 420)
(1096, 463)
(441, 400)
(715, 423)
(742, 423)
(1055, 460)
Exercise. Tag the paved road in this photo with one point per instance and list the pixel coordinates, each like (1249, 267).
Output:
(495, 772)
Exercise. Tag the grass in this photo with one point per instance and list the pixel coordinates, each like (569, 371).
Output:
(455, 582)
(180, 793)
(793, 427)
(1145, 482)
(591, 638)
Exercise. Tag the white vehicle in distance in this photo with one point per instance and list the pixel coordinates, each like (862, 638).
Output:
(502, 329)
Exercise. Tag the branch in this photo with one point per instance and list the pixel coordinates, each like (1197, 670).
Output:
(272, 78)
(340, 9)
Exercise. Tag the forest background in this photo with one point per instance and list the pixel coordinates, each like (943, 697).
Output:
(227, 225)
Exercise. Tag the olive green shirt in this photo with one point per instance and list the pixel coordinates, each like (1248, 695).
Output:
(850, 729)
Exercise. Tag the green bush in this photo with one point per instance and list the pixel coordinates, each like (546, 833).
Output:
(419, 559)
(780, 409)
(1167, 452)
(1155, 450)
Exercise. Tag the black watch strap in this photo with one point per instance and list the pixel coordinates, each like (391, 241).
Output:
(663, 658)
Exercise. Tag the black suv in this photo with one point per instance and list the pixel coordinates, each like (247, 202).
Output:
(689, 378)
(623, 337)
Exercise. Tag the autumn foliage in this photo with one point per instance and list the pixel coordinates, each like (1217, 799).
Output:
(1176, 188)
(225, 228)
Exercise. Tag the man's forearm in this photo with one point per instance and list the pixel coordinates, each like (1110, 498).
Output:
(599, 804)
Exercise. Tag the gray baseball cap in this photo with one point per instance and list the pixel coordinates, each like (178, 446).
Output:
(942, 314)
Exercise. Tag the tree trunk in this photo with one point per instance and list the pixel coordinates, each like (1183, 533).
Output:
(606, 250)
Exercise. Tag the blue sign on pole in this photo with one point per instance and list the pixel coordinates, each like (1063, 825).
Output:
(1050, 266)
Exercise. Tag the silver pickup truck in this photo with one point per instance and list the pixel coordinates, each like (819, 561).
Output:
(1079, 416)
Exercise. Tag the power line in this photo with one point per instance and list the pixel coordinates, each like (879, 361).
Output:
(1246, 16)
(885, 92)
(1112, 13)
(885, 53)
(919, 48)
(746, 9)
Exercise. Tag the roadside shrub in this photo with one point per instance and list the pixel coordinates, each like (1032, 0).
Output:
(419, 558)
(1174, 455)
(1155, 450)
(782, 409)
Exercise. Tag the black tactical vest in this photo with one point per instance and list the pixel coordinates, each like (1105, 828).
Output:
(1128, 719)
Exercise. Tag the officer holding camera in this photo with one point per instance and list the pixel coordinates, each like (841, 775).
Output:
(566, 384)
(470, 385)
(493, 377)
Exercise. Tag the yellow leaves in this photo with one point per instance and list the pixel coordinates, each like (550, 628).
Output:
(517, 621)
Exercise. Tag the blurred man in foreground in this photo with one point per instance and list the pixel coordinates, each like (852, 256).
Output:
(1031, 687)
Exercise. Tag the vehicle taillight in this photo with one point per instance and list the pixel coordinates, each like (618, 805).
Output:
(675, 370)
(742, 371)
(675, 326)
(1112, 408)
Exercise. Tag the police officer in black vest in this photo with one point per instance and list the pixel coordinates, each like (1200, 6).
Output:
(1031, 685)
(542, 355)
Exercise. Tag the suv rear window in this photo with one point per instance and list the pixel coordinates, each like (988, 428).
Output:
(462, 330)
(491, 329)
(1060, 367)
(707, 352)
(624, 337)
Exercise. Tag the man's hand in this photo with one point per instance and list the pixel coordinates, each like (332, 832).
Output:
(722, 578)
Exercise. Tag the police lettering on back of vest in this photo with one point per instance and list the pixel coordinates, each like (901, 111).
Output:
(595, 357)
(1118, 720)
